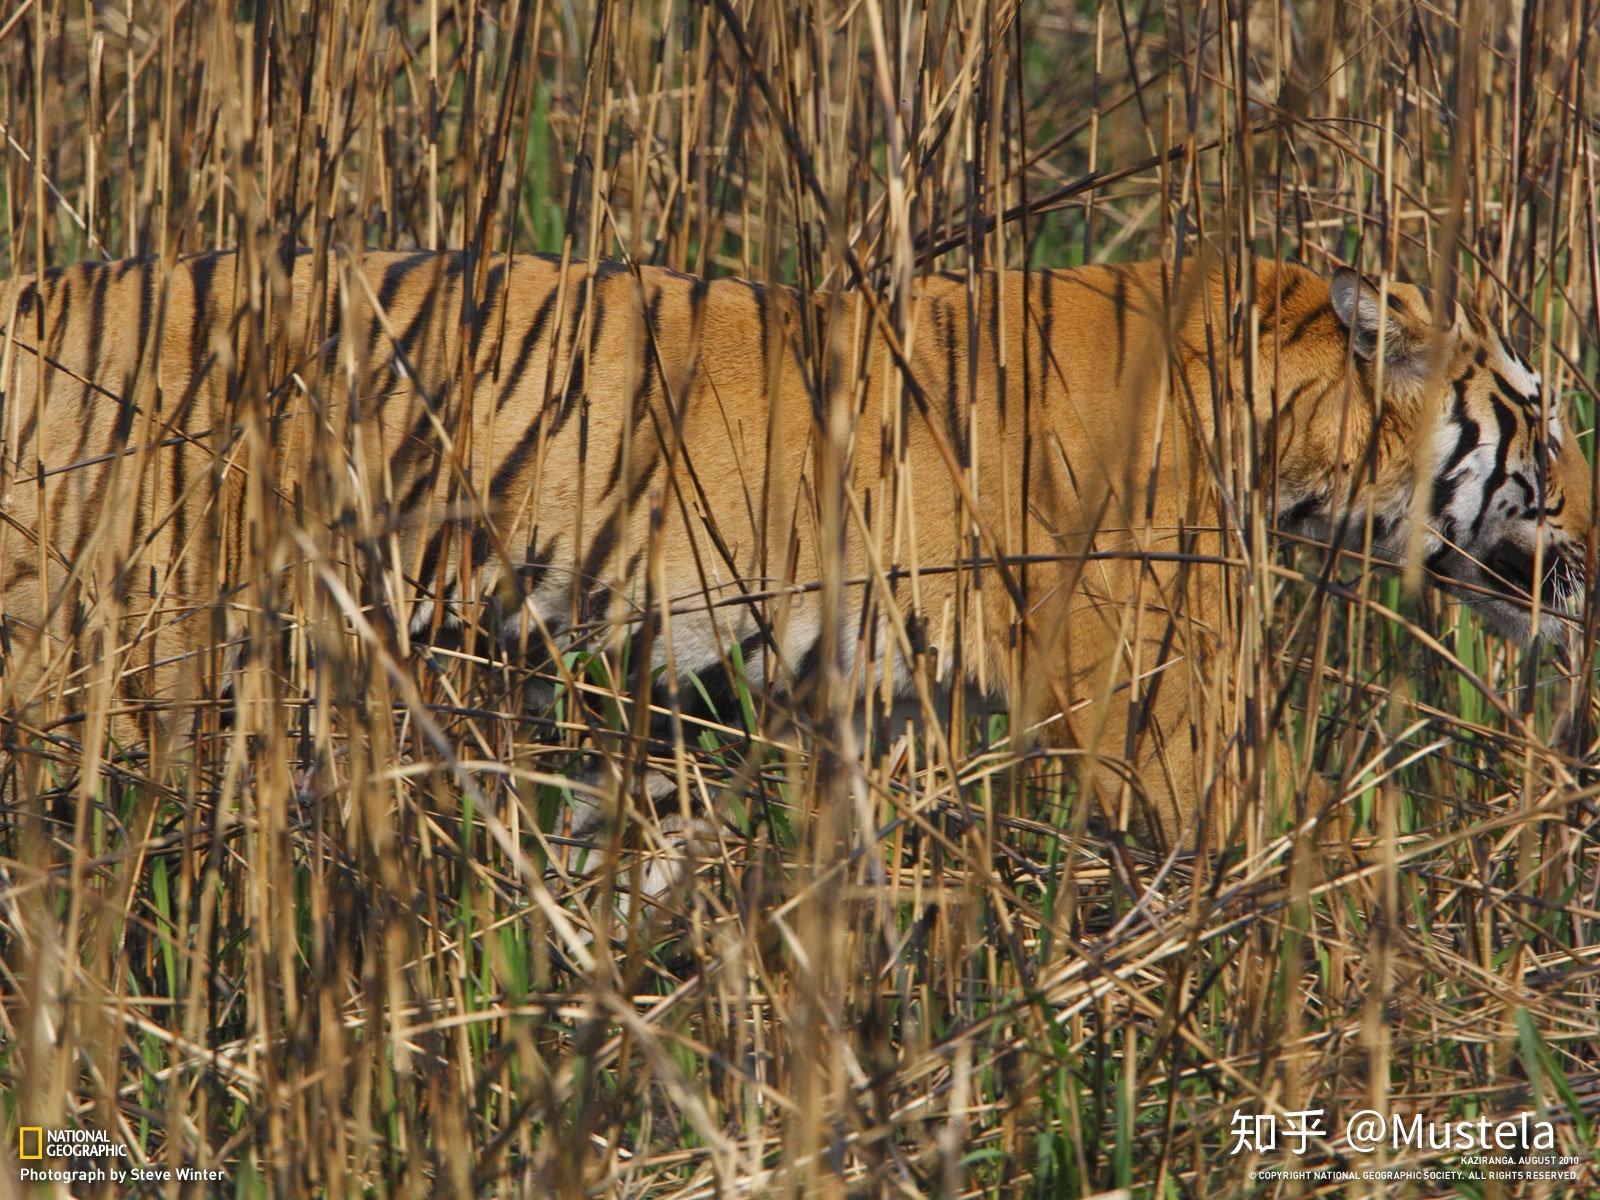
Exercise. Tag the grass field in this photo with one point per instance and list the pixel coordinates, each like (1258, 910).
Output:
(325, 950)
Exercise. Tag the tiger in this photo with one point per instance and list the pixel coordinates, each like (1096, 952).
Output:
(1025, 485)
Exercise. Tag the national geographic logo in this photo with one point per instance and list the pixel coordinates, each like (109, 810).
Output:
(35, 1143)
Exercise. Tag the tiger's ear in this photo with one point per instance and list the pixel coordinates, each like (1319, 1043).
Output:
(1484, 298)
(1359, 309)
(1356, 305)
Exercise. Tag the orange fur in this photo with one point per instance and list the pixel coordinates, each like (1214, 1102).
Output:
(631, 433)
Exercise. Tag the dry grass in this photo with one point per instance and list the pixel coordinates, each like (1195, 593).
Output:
(323, 952)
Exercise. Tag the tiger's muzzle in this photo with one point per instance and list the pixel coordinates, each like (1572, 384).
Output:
(1508, 577)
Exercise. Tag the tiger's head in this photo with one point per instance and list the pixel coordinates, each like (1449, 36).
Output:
(1508, 490)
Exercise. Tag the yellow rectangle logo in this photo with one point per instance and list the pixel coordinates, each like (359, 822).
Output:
(36, 1134)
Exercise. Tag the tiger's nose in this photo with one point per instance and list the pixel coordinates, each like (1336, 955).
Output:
(1510, 566)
